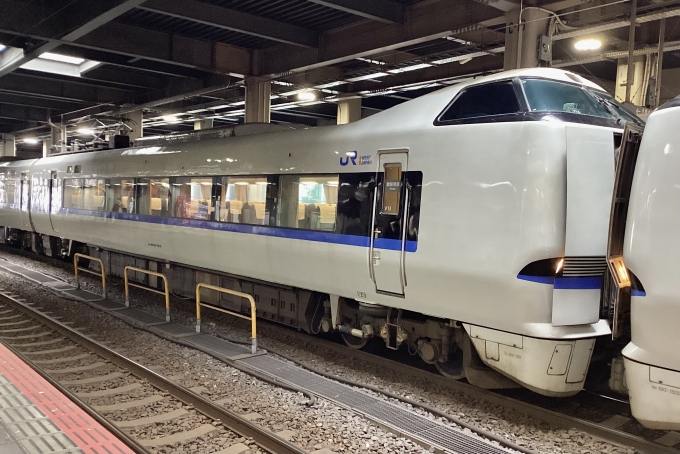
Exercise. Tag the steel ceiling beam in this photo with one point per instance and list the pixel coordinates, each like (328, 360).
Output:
(427, 21)
(75, 91)
(378, 10)
(91, 15)
(232, 20)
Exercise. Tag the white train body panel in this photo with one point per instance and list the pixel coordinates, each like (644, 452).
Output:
(493, 200)
(651, 252)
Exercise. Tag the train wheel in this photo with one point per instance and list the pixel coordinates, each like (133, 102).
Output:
(354, 342)
(453, 368)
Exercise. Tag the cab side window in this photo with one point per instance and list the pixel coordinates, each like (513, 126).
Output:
(481, 102)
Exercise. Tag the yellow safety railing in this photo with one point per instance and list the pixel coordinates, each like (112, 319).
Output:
(102, 271)
(152, 273)
(253, 311)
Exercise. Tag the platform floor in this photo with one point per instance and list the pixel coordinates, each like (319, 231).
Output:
(36, 418)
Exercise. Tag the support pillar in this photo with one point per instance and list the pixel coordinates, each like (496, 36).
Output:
(631, 87)
(258, 100)
(203, 124)
(8, 145)
(349, 109)
(55, 137)
(524, 47)
(137, 124)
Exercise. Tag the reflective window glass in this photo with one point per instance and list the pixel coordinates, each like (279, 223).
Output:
(308, 202)
(93, 195)
(120, 195)
(73, 191)
(192, 198)
(243, 200)
(482, 101)
(153, 196)
(355, 198)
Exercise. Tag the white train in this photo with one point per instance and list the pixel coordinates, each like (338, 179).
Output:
(469, 224)
(643, 255)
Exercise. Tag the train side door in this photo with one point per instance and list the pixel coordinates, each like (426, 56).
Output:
(388, 238)
(25, 200)
(54, 197)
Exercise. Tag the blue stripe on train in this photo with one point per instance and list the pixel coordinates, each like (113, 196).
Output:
(566, 283)
(279, 232)
(573, 283)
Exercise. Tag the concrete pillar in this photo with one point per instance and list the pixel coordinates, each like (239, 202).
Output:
(8, 145)
(47, 144)
(258, 100)
(349, 109)
(203, 124)
(136, 123)
(637, 88)
(523, 45)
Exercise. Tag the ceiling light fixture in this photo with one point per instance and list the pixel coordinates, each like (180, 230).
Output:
(588, 44)
(367, 77)
(171, 118)
(62, 58)
(406, 69)
(86, 131)
(306, 96)
(31, 141)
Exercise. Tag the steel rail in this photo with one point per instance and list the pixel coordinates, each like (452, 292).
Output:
(118, 433)
(543, 414)
(262, 437)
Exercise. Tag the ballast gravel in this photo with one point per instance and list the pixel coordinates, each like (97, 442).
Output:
(323, 426)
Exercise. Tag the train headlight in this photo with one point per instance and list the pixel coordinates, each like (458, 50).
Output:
(559, 266)
(619, 270)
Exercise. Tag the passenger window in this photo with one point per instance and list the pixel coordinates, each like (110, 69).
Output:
(308, 202)
(355, 198)
(93, 195)
(482, 101)
(7, 191)
(243, 200)
(153, 195)
(120, 195)
(73, 193)
(192, 198)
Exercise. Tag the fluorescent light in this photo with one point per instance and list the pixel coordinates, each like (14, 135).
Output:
(237, 103)
(306, 96)
(332, 84)
(367, 77)
(171, 118)
(31, 141)
(409, 68)
(588, 44)
(86, 131)
(197, 111)
(461, 58)
(62, 58)
(221, 106)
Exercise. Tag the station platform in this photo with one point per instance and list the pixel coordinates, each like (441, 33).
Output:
(36, 418)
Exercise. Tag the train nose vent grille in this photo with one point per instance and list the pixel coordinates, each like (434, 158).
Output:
(584, 266)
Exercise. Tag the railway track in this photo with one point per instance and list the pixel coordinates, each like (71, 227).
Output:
(112, 387)
(556, 412)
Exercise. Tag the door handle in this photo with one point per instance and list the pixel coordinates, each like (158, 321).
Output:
(377, 232)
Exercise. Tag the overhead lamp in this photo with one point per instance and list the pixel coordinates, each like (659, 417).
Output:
(31, 141)
(588, 44)
(86, 131)
(306, 96)
(62, 58)
(367, 77)
(171, 118)
(406, 69)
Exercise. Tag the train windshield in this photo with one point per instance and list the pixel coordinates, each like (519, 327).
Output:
(552, 96)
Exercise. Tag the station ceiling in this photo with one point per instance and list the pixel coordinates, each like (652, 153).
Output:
(189, 58)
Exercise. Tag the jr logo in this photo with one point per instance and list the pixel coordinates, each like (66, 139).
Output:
(351, 156)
